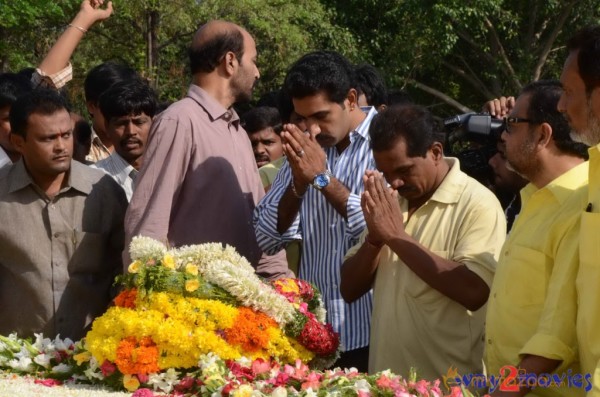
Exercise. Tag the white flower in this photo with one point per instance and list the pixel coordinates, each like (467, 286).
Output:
(22, 364)
(244, 361)
(62, 344)
(43, 344)
(61, 369)
(209, 360)
(249, 290)
(310, 393)
(43, 360)
(320, 312)
(144, 248)
(279, 392)
(362, 385)
(164, 381)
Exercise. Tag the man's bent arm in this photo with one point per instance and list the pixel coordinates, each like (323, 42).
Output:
(359, 270)
(450, 278)
(266, 216)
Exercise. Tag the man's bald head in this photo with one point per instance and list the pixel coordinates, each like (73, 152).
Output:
(212, 41)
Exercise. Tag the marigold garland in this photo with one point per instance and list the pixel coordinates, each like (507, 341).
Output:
(250, 330)
(126, 298)
(137, 356)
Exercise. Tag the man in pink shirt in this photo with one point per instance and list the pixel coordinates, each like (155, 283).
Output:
(199, 182)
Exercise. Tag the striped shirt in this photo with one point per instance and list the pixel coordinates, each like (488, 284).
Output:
(121, 171)
(325, 234)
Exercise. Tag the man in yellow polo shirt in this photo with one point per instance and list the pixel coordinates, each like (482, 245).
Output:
(580, 102)
(429, 252)
(542, 245)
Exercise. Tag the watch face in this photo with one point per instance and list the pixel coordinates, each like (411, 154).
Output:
(321, 180)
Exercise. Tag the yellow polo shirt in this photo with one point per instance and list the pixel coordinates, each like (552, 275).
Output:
(414, 325)
(588, 279)
(268, 172)
(543, 238)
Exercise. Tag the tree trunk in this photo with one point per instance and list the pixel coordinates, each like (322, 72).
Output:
(152, 54)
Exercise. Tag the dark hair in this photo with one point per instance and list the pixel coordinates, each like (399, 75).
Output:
(415, 124)
(207, 56)
(398, 96)
(325, 71)
(370, 83)
(43, 101)
(128, 97)
(103, 76)
(543, 108)
(12, 85)
(260, 118)
(587, 42)
(280, 100)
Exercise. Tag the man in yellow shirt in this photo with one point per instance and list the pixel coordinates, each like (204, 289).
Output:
(541, 246)
(429, 252)
(580, 102)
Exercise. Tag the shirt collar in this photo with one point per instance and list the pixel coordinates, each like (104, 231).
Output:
(19, 178)
(214, 109)
(123, 167)
(453, 184)
(560, 188)
(362, 129)
(4, 159)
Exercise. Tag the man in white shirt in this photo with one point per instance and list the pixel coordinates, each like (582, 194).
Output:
(128, 108)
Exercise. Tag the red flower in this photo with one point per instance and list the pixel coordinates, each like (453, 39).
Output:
(143, 393)
(240, 372)
(319, 338)
(47, 382)
(306, 290)
(108, 368)
(185, 384)
(260, 366)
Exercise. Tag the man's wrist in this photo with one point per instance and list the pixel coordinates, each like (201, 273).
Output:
(298, 193)
(373, 243)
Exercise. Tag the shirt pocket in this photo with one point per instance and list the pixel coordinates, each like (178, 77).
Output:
(526, 279)
(419, 290)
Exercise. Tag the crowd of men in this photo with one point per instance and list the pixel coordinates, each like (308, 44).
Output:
(327, 180)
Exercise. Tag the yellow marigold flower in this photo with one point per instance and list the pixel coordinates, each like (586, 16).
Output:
(134, 267)
(288, 285)
(192, 269)
(243, 391)
(192, 285)
(168, 261)
(131, 382)
(82, 357)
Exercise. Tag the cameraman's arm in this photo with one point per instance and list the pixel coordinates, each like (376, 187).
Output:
(499, 107)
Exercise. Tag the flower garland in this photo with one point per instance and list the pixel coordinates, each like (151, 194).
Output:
(212, 376)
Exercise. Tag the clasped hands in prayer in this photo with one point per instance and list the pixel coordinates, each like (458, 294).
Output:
(381, 209)
(304, 154)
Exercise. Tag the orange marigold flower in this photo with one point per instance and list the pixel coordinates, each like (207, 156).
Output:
(137, 356)
(250, 330)
(126, 298)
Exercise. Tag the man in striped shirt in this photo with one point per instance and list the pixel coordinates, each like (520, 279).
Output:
(316, 195)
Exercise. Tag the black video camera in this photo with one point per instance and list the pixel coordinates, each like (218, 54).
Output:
(472, 138)
(474, 127)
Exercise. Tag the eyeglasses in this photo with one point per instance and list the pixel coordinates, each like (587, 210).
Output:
(514, 120)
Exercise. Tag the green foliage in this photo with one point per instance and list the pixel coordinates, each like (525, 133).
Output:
(467, 51)
(470, 51)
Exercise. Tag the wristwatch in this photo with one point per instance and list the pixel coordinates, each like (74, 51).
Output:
(321, 180)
